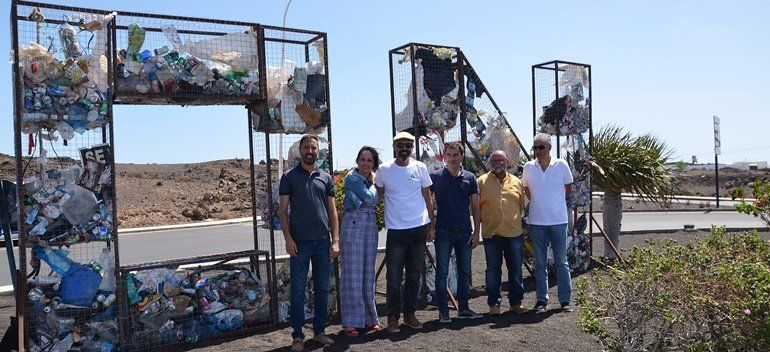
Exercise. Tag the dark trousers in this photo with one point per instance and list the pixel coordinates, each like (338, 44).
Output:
(445, 241)
(404, 248)
(496, 249)
(317, 253)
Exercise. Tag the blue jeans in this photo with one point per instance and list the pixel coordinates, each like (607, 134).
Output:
(404, 248)
(316, 252)
(445, 241)
(556, 235)
(496, 248)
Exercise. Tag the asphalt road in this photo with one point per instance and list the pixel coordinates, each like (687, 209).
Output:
(182, 243)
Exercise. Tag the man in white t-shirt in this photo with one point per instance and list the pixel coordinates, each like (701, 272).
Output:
(405, 184)
(547, 183)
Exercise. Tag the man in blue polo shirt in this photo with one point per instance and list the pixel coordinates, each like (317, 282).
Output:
(308, 216)
(457, 196)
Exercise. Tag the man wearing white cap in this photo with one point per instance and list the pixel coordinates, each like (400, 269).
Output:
(405, 184)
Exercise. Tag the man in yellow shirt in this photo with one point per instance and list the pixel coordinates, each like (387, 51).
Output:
(501, 198)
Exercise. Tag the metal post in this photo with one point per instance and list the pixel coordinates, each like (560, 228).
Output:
(716, 176)
(392, 96)
(534, 105)
(415, 111)
(556, 88)
(17, 96)
(590, 170)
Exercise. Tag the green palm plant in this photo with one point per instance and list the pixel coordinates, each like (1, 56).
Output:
(632, 164)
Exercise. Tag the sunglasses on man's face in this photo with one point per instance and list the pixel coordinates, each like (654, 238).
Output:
(404, 145)
(539, 147)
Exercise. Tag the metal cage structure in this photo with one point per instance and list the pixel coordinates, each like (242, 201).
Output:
(64, 144)
(562, 107)
(217, 296)
(296, 86)
(70, 66)
(438, 97)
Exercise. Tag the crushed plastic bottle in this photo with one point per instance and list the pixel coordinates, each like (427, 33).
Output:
(107, 261)
(63, 345)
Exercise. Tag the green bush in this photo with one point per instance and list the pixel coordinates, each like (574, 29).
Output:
(760, 207)
(710, 295)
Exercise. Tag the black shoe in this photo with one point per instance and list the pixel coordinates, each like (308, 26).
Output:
(565, 307)
(540, 306)
(444, 318)
(468, 314)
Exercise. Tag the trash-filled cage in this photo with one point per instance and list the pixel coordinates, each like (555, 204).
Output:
(184, 303)
(487, 127)
(68, 248)
(296, 104)
(561, 98)
(164, 59)
(437, 96)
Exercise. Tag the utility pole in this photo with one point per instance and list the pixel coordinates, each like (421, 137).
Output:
(717, 151)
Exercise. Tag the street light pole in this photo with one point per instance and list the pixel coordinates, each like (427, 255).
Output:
(717, 151)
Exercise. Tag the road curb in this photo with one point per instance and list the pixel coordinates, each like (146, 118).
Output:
(185, 226)
(645, 232)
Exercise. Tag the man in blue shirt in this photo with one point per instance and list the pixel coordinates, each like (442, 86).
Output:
(457, 196)
(308, 216)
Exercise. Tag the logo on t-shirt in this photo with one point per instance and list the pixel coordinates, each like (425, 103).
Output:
(413, 177)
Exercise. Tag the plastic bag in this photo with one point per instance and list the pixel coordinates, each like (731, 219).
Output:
(81, 206)
(136, 36)
(79, 285)
(406, 119)
(237, 50)
(37, 62)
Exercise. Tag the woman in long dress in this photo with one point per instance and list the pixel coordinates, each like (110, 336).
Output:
(358, 245)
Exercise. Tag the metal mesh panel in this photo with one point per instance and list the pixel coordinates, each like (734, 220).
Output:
(487, 126)
(425, 90)
(561, 96)
(297, 103)
(439, 96)
(183, 303)
(190, 61)
(63, 115)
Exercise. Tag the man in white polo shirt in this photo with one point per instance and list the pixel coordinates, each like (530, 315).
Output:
(547, 183)
(405, 184)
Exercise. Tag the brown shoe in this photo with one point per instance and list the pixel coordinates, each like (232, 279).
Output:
(323, 339)
(494, 310)
(518, 309)
(297, 345)
(412, 322)
(393, 324)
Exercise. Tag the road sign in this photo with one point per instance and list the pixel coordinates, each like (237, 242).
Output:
(717, 142)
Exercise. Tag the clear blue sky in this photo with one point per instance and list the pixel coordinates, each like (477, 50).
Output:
(658, 66)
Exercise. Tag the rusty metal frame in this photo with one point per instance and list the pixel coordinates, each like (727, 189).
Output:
(212, 261)
(553, 65)
(108, 136)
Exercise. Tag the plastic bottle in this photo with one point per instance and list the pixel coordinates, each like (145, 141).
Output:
(107, 261)
(63, 345)
(55, 258)
(133, 295)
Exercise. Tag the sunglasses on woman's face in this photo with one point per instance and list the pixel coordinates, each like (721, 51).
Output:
(539, 147)
(404, 145)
